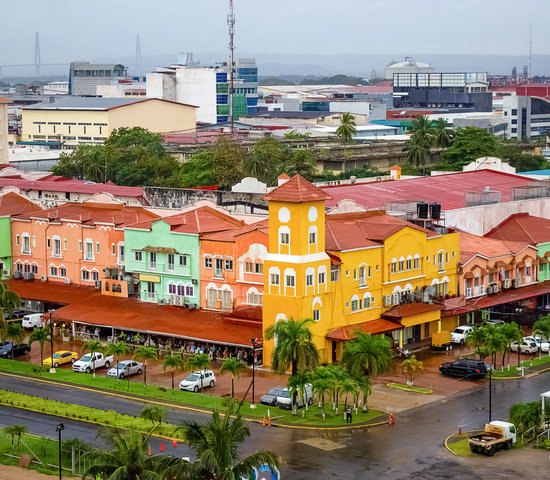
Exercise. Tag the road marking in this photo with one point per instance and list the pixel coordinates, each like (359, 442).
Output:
(323, 444)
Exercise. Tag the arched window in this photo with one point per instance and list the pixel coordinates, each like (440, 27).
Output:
(355, 303)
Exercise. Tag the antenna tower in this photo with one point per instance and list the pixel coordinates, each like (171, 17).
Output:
(231, 27)
(138, 52)
(530, 50)
(37, 61)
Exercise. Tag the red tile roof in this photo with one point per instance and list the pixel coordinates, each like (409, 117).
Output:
(522, 227)
(408, 309)
(89, 213)
(297, 190)
(472, 245)
(231, 235)
(372, 327)
(346, 231)
(13, 204)
(197, 221)
(449, 190)
(87, 305)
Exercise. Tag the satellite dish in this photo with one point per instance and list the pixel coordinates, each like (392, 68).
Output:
(429, 293)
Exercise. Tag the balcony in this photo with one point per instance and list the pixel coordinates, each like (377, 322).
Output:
(475, 291)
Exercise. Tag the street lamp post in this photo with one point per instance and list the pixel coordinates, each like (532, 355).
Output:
(490, 393)
(253, 341)
(59, 429)
(52, 368)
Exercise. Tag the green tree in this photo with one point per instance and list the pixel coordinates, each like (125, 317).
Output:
(174, 363)
(477, 339)
(441, 134)
(321, 385)
(266, 160)
(145, 353)
(9, 301)
(295, 135)
(338, 377)
(14, 331)
(367, 355)
(469, 144)
(15, 431)
(347, 129)
(234, 367)
(525, 415)
(200, 362)
(416, 151)
(511, 332)
(198, 171)
(216, 446)
(411, 368)
(229, 161)
(298, 383)
(294, 347)
(349, 385)
(154, 414)
(365, 386)
(301, 162)
(40, 335)
(125, 457)
(541, 328)
(117, 350)
(93, 346)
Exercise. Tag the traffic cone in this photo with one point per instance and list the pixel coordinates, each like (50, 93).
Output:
(162, 449)
(174, 443)
(263, 422)
(149, 451)
(269, 421)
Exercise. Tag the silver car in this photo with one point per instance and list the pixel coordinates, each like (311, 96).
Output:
(125, 368)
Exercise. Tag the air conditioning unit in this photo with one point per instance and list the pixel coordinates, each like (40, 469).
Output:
(6, 272)
(468, 292)
(195, 281)
(68, 281)
(489, 290)
(162, 301)
(43, 278)
(28, 276)
(495, 288)
(172, 300)
(388, 300)
(18, 274)
(507, 283)
(98, 284)
(516, 283)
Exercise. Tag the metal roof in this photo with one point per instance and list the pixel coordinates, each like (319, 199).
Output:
(83, 103)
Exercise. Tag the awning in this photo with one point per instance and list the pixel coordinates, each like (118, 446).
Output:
(468, 275)
(373, 327)
(499, 263)
(334, 260)
(520, 264)
(160, 250)
(509, 296)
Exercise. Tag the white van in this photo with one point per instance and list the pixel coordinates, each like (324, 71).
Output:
(284, 399)
(33, 320)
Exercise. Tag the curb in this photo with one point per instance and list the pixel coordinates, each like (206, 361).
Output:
(405, 389)
(358, 426)
(465, 435)
(529, 375)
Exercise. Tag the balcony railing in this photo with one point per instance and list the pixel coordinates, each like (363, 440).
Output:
(475, 291)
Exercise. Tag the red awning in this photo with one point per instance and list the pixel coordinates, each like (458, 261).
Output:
(372, 327)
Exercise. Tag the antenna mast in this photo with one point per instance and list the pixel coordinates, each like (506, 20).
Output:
(37, 60)
(530, 50)
(231, 27)
(138, 53)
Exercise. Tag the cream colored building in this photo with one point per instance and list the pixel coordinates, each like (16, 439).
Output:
(3, 131)
(72, 121)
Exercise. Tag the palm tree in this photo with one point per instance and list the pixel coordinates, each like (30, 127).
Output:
(153, 413)
(367, 355)
(294, 347)
(441, 134)
(298, 383)
(174, 362)
(347, 129)
(411, 367)
(125, 458)
(338, 376)
(349, 385)
(93, 346)
(542, 328)
(117, 349)
(145, 353)
(321, 384)
(511, 332)
(416, 152)
(14, 331)
(199, 362)
(40, 335)
(15, 431)
(235, 367)
(302, 162)
(216, 445)
(477, 339)
(525, 415)
(9, 301)
(366, 388)
(421, 127)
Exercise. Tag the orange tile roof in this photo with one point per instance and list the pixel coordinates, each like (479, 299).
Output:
(472, 245)
(408, 309)
(297, 190)
(231, 235)
(13, 204)
(346, 231)
(372, 327)
(522, 227)
(93, 213)
(201, 220)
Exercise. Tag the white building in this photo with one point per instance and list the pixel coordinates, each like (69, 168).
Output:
(56, 88)
(527, 117)
(408, 66)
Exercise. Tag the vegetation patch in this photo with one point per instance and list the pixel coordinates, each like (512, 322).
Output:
(109, 418)
(458, 444)
(410, 388)
(512, 370)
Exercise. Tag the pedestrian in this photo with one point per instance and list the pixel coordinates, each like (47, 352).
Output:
(348, 414)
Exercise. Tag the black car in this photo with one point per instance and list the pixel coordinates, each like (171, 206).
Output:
(10, 349)
(16, 314)
(464, 367)
(270, 398)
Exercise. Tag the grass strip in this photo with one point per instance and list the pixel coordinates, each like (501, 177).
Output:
(409, 388)
(107, 418)
(460, 447)
(513, 370)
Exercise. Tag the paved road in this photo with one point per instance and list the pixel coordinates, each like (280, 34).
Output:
(411, 449)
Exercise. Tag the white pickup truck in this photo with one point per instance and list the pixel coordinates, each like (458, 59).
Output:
(86, 362)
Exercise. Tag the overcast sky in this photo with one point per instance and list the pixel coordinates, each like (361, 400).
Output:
(77, 29)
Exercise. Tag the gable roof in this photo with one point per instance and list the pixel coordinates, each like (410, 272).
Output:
(297, 190)
(472, 245)
(69, 102)
(12, 204)
(231, 235)
(522, 227)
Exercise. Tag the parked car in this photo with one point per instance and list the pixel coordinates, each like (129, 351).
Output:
(89, 361)
(542, 345)
(270, 398)
(10, 349)
(526, 346)
(59, 358)
(464, 367)
(459, 334)
(192, 383)
(32, 320)
(495, 323)
(16, 314)
(125, 368)
(284, 399)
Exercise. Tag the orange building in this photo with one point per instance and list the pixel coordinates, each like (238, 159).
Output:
(73, 243)
(232, 267)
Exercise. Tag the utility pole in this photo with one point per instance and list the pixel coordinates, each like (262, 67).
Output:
(37, 60)
(530, 50)
(231, 27)
(138, 53)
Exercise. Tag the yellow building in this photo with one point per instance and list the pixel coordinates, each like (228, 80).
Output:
(364, 271)
(90, 120)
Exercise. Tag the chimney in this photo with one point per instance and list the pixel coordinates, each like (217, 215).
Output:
(395, 172)
(282, 179)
